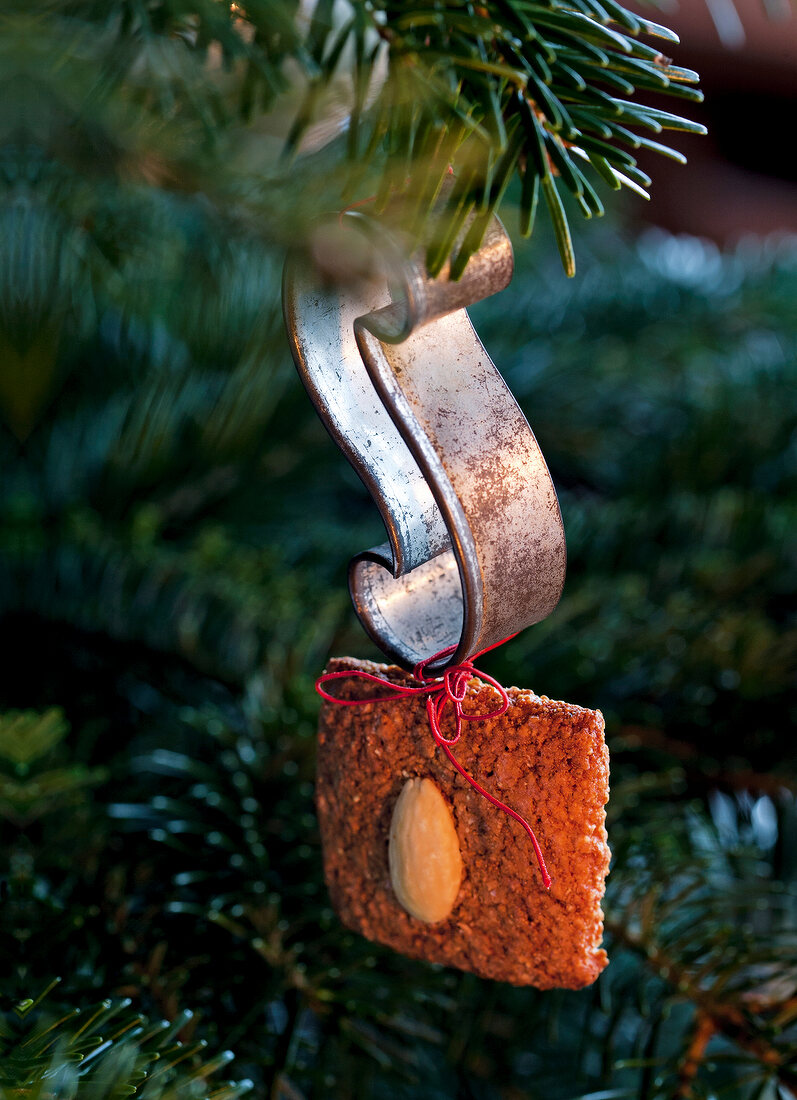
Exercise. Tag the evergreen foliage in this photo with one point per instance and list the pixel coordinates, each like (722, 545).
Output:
(179, 761)
(104, 1053)
(174, 533)
(129, 105)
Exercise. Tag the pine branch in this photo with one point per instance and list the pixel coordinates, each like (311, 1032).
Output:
(543, 91)
(32, 791)
(527, 89)
(714, 933)
(704, 1031)
(716, 1014)
(104, 1052)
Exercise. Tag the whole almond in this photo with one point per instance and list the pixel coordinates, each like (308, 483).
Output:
(423, 852)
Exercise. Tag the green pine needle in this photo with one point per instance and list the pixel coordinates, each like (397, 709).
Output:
(396, 81)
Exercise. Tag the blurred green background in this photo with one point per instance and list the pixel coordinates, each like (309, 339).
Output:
(174, 532)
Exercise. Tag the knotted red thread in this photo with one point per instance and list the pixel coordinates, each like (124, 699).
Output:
(451, 688)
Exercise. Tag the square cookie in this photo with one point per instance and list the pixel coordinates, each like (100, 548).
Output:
(547, 760)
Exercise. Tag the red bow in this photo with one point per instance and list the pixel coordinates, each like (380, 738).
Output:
(451, 688)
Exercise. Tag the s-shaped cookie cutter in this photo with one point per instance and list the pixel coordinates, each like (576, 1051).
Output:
(389, 357)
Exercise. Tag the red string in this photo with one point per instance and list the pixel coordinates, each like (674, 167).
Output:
(451, 688)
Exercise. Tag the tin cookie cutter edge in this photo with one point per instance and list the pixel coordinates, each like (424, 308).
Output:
(390, 359)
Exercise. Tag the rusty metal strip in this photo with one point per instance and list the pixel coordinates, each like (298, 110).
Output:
(475, 548)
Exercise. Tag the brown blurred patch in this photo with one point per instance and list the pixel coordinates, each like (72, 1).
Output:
(742, 177)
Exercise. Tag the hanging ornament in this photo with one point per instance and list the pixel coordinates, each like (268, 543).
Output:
(427, 849)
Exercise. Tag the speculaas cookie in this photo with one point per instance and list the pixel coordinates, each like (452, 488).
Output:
(546, 759)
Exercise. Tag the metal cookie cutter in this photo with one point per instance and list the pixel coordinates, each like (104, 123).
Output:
(476, 548)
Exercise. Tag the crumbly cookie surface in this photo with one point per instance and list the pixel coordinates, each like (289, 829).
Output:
(546, 759)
